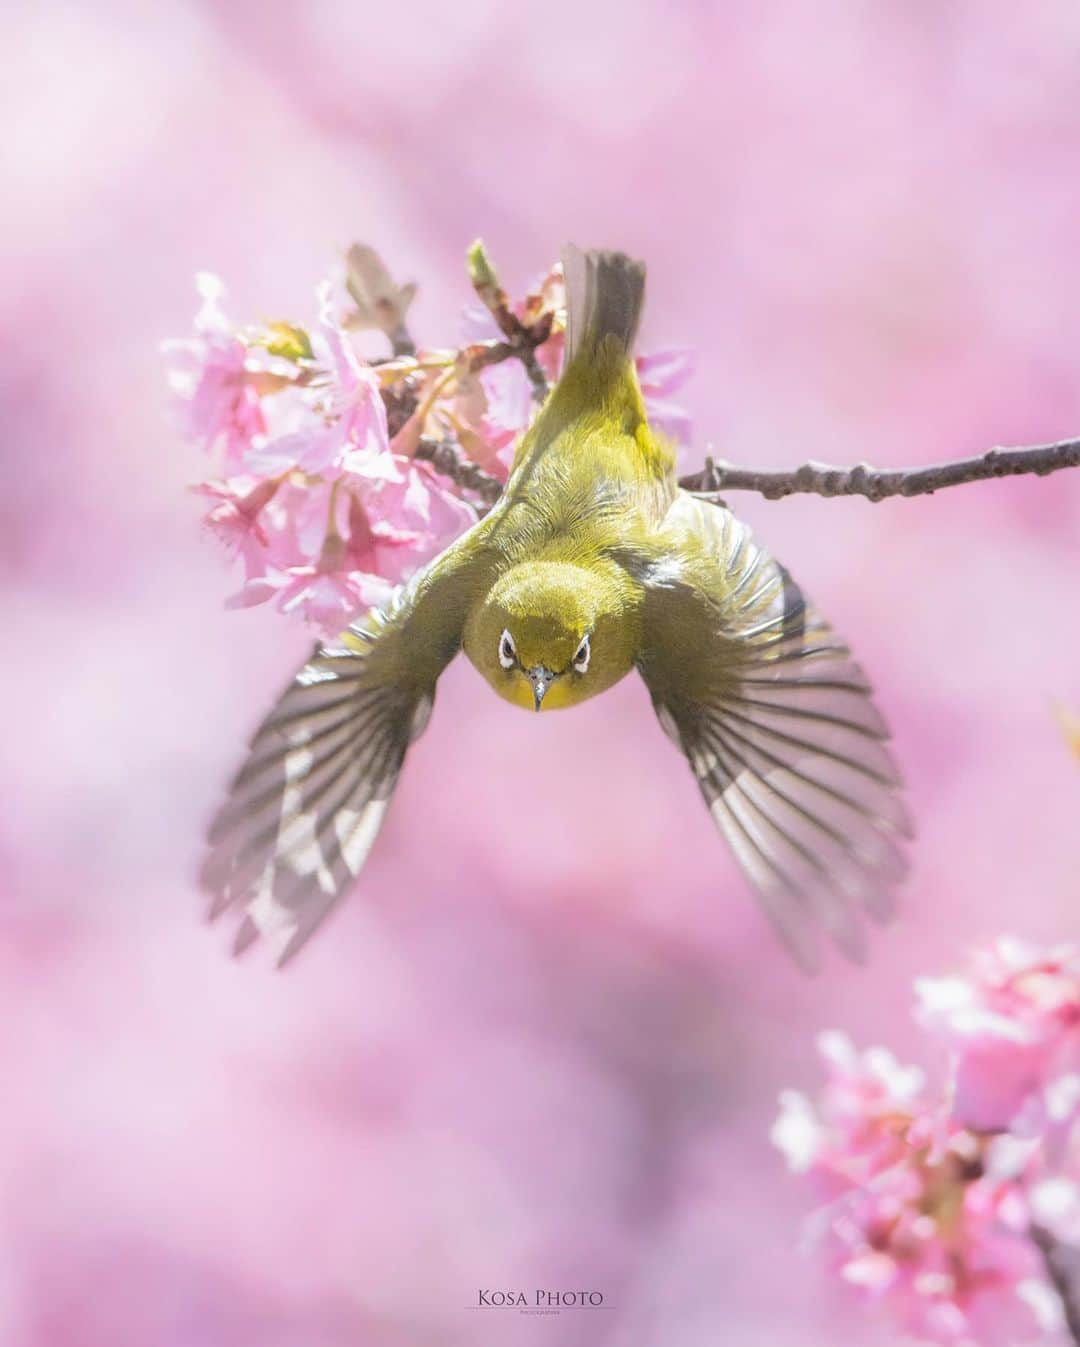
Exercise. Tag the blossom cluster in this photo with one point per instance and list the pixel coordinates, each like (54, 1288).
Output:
(943, 1207)
(320, 486)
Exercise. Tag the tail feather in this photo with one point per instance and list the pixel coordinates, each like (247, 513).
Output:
(605, 294)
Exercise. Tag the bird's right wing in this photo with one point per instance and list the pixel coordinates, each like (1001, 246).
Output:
(303, 811)
(777, 723)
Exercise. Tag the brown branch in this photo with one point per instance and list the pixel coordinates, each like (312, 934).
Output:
(446, 458)
(380, 302)
(1061, 1268)
(489, 291)
(527, 356)
(521, 339)
(879, 483)
(480, 354)
(812, 478)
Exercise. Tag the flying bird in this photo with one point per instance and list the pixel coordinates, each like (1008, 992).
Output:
(593, 563)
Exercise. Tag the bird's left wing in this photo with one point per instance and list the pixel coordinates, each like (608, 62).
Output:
(777, 723)
(303, 811)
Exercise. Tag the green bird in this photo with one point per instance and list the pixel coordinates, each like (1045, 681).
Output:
(591, 564)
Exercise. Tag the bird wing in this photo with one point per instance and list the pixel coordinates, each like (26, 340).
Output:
(303, 811)
(777, 723)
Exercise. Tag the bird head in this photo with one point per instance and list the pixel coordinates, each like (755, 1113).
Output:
(551, 634)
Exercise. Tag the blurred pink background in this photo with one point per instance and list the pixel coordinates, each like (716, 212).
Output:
(542, 1047)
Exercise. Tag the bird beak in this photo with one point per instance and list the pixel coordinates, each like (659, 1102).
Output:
(541, 679)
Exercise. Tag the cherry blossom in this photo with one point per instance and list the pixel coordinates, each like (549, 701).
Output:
(216, 377)
(939, 1207)
(317, 490)
(920, 1217)
(1012, 1019)
(662, 374)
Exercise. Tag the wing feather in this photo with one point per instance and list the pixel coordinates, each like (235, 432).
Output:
(777, 723)
(303, 811)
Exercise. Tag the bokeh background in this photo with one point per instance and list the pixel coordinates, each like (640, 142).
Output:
(541, 1045)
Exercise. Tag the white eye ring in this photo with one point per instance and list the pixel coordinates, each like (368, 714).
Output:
(581, 656)
(507, 651)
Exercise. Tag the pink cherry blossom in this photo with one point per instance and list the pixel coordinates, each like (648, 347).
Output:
(1054, 1206)
(322, 508)
(925, 1217)
(210, 376)
(354, 404)
(862, 1124)
(329, 599)
(235, 518)
(378, 545)
(292, 531)
(338, 424)
(331, 551)
(495, 406)
(337, 584)
(1012, 1021)
(509, 403)
(396, 521)
(417, 504)
(239, 520)
(935, 1252)
(550, 355)
(661, 374)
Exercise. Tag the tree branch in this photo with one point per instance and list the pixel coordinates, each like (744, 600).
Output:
(1060, 1262)
(380, 302)
(879, 483)
(446, 458)
(811, 478)
(522, 339)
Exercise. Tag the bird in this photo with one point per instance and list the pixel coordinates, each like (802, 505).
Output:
(592, 564)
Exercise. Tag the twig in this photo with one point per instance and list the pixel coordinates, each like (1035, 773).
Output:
(812, 478)
(382, 303)
(878, 483)
(537, 377)
(483, 353)
(489, 291)
(1056, 1258)
(446, 458)
(522, 339)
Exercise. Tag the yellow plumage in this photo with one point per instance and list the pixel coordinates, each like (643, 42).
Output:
(592, 563)
(589, 478)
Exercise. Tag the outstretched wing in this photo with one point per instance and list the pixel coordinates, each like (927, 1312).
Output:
(303, 811)
(777, 723)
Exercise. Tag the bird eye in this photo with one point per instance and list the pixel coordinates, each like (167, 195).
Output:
(507, 651)
(581, 656)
